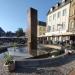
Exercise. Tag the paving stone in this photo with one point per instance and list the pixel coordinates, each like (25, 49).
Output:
(65, 68)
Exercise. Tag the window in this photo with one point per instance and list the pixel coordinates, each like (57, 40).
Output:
(59, 27)
(54, 16)
(74, 11)
(50, 18)
(72, 23)
(48, 28)
(63, 25)
(40, 28)
(53, 28)
(64, 12)
(59, 14)
(43, 29)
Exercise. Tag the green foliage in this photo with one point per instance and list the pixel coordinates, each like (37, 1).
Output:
(8, 58)
(10, 34)
(2, 32)
(20, 32)
(14, 44)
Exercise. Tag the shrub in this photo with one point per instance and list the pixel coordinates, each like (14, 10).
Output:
(8, 59)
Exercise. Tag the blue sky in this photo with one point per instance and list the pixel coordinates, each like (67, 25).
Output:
(13, 13)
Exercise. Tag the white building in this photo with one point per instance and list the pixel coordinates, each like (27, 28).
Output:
(58, 21)
(60, 25)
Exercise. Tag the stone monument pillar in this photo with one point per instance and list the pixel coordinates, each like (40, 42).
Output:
(32, 35)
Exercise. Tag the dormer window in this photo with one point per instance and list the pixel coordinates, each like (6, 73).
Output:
(63, 0)
(51, 9)
(58, 4)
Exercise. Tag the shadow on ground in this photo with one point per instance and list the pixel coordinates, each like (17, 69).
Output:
(37, 71)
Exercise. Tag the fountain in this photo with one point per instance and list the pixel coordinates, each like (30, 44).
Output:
(43, 61)
(32, 32)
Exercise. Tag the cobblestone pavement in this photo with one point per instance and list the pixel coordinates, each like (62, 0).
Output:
(64, 69)
(3, 72)
(25, 71)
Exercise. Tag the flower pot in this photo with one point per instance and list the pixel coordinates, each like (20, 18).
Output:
(9, 67)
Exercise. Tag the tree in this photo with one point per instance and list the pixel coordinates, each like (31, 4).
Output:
(2, 32)
(20, 32)
(10, 34)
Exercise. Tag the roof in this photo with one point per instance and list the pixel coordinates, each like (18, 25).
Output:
(58, 6)
(41, 23)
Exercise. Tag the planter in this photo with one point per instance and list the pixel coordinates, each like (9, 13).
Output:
(9, 67)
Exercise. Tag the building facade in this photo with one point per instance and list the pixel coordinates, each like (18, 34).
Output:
(72, 17)
(61, 22)
(58, 20)
(41, 28)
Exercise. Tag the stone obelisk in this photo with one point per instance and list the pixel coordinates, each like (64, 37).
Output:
(32, 33)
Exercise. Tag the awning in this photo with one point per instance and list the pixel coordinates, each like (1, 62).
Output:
(57, 34)
(68, 33)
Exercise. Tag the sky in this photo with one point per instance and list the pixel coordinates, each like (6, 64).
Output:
(13, 13)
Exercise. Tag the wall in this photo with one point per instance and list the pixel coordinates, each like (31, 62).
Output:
(72, 17)
(41, 30)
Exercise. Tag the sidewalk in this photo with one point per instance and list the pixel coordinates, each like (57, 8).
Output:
(51, 46)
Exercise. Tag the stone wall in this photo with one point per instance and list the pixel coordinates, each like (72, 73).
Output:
(61, 65)
(42, 62)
